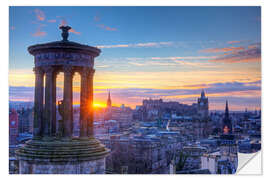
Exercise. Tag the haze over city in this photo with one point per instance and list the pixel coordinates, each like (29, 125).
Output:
(163, 52)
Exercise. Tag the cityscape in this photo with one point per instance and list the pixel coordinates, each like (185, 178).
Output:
(67, 118)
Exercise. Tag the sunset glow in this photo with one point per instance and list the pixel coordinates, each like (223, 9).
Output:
(141, 61)
(99, 105)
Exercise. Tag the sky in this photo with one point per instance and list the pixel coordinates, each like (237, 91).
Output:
(148, 52)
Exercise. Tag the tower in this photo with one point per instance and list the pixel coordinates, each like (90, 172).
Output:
(227, 124)
(109, 102)
(54, 149)
(203, 105)
(228, 146)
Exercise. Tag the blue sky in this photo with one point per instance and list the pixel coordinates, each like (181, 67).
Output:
(163, 49)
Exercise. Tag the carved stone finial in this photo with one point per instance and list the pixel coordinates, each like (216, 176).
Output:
(64, 34)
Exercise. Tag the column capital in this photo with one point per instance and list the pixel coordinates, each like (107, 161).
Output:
(68, 69)
(56, 71)
(91, 72)
(38, 70)
(48, 69)
(84, 71)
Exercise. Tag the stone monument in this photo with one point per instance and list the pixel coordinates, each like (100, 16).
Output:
(53, 149)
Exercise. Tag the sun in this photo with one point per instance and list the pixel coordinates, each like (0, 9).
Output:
(98, 104)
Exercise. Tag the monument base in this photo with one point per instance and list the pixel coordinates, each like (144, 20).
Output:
(84, 167)
(59, 156)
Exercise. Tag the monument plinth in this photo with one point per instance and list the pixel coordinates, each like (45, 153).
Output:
(53, 149)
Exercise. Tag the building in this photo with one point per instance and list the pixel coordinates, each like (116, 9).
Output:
(203, 105)
(193, 153)
(26, 116)
(13, 127)
(227, 123)
(152, 109)
(225, 160)
(142, 153)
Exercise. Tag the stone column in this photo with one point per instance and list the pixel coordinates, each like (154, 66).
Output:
(68, 106)
(90, 120)
(38, 107)
(49, 89)
(84, 100)
(54, 104)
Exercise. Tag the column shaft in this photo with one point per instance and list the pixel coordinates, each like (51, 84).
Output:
(83, 102)
(90, 119)
(49, 89)
(68, 106)
(38, 107)
(54, 105)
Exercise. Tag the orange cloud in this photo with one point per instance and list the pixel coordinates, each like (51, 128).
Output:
(39, 15)
(110, 29)
(63, 22)
(52, 21)
(39, 33)
(252, 54)
(75, 32)
(233, 42)
(226, 49)
(236, 60)
(102, 26)
(183, 58)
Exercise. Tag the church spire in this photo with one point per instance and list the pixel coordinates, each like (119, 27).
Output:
(109, 102)
(202, 94)
(227, 110)
(227, 124)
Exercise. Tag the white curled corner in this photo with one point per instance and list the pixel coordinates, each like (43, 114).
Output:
(249, 164)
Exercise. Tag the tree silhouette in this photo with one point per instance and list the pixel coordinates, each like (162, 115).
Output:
(182, 160)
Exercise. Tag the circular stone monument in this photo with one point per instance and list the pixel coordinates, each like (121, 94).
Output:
(53, 149)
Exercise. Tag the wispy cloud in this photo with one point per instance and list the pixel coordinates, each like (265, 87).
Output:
(233, 42)
(52, 21)
(254, 45)
(102, 66)
(174, 64)
(63, 21)
(147, 44)
(240, 93)
(103, 26)
(218, 50)
(39, 33)
(97, 20)
(40, 22)
(114, 46)
(75, 32)
(184, 58)
(40, 15)
(251, 54)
